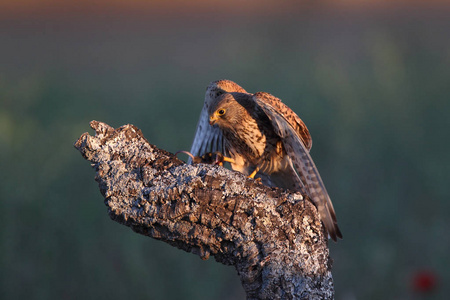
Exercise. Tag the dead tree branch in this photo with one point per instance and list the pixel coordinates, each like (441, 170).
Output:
(274, 239)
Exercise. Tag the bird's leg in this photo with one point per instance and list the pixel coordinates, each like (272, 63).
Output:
(228, 159)
(220, 159)
(252, 175)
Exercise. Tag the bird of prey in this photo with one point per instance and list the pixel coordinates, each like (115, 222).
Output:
(262, 138)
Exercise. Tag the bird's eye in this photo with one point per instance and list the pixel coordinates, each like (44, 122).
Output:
(221, 112)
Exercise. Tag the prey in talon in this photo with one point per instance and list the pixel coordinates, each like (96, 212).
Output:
(215, 158)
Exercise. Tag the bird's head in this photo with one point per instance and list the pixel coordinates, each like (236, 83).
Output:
(227, 110)
(218, 116)
(219, 103)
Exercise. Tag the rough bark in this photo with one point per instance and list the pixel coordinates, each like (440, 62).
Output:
(274, 238)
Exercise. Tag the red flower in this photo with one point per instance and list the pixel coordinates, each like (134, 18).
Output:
(424, 281)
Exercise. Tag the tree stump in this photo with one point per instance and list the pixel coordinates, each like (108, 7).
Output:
(273, 238)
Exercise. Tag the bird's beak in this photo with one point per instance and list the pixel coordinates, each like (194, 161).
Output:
(212, 119)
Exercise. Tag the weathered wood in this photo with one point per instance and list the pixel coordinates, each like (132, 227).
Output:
(274, 238)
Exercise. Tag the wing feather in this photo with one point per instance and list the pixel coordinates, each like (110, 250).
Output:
(207, 138)
(289, 116)
(304, 165)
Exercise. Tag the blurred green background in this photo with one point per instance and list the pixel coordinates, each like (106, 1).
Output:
(371, 83)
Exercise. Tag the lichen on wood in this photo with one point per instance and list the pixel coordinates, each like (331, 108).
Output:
(273, 238)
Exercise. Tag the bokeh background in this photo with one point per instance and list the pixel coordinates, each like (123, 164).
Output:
(371, 81)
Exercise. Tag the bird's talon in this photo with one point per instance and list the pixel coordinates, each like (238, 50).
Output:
(219, 159)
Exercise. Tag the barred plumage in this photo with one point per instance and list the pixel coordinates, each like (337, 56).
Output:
(261, 133)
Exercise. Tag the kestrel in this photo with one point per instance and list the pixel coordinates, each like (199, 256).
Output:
(263, 138)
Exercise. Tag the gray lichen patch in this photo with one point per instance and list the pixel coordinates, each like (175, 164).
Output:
(273, 238)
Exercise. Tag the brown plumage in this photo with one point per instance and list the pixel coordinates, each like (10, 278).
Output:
(261, 134)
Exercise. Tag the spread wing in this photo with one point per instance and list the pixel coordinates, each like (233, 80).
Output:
(293, 142)
(207, 138)
(297, 124)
